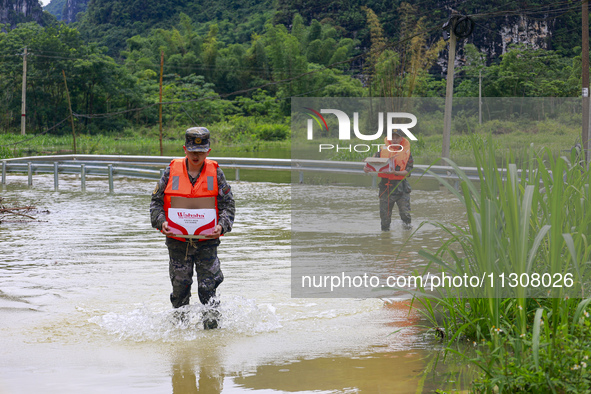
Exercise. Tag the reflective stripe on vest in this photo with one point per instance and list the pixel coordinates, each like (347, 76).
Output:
(179, 185)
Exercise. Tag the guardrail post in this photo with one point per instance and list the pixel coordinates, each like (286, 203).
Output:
(4, 173)
(83, 177)
(301, 176)
(111, 178)
(30, 173)
(374, 181)
(55, 176)
(238, 174)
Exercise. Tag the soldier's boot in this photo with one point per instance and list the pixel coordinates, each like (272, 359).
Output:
(181, 317)
(211, 319)
(212, 315)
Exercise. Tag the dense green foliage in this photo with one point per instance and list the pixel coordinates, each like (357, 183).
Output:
(562, 19)
(521, 72)
(112, 22)
(209, 79)
(96, 83)
(224, 60)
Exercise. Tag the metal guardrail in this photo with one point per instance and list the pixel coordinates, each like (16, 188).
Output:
(152, 167)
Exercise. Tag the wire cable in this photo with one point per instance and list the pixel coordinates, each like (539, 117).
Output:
(271, 83)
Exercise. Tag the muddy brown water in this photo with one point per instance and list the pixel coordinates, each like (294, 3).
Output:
(84, 304)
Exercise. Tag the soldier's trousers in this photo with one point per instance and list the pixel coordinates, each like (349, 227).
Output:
(186, 257)
(389, 196)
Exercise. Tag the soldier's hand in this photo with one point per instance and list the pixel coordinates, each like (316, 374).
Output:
(216, 232)
(366, 169)
(166, 230)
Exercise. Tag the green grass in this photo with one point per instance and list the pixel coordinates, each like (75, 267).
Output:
(509, 137)
(251, 136)
(238, 138)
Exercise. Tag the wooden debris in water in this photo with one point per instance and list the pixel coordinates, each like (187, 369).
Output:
(12, 211)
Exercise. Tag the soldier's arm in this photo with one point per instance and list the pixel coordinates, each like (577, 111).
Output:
(407, 169)
(409, 165)
(226, 205)
(157, 214)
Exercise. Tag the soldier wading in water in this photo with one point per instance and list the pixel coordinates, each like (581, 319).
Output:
(194, 181)
(394, 187)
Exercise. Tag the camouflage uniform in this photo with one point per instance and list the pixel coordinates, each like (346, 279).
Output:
(392, 191)
(200, 254)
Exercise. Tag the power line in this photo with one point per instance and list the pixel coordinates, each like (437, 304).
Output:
(530, 10)
(254, 101)
(497, 12)
(522, 10)
(271, 83)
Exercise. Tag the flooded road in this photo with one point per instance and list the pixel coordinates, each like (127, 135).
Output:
(84, 304)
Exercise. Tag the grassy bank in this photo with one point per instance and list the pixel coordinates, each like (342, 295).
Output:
(529, 338)
(247, 136)
(241, 136)
(508, 137)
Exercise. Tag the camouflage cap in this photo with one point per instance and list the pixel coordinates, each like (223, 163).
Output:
(398, 132)
(197, 139)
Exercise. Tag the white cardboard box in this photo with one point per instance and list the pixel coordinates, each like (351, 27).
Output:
(379, 164)
(192, 223)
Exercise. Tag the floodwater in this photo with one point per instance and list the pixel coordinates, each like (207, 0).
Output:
(84, 304)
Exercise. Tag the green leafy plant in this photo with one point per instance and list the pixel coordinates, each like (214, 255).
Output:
(529, 220)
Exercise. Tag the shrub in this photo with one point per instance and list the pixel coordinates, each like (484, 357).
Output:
(272, 132)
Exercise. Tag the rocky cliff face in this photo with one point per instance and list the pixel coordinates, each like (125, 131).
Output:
(18, 11)
(536, 34)
(72, 8)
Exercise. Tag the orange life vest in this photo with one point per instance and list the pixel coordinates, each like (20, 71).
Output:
(179, 185)
(400, 157)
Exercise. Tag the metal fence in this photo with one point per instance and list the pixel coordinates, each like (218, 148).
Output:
(152, 167)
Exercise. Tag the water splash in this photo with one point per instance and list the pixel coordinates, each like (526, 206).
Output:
(238, 315)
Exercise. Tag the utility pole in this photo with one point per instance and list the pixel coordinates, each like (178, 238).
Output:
(585, 70)
(459, 27)
(71, 113)
(479, 96)
(160, 111)
(449, 90)
(24, 94)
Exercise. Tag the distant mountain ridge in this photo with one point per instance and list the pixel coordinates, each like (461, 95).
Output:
(498, 24)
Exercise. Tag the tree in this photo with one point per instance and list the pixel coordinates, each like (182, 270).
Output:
(96, 82)
(209, 53)
(378, 45)
(403, 70)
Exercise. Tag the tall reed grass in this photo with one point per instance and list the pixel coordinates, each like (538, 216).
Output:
(534, 218)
